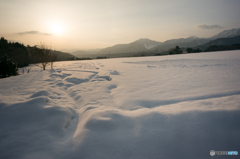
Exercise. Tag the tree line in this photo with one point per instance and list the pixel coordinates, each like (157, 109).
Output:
(178, 50)
(82, 58)
(14, 55)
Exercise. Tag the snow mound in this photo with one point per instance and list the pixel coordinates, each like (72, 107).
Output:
(40, 93)
(32, 127)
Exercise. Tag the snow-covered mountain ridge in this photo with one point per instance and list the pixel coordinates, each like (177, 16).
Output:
(227, 33)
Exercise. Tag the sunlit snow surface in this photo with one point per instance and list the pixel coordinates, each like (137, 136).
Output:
(179, 106)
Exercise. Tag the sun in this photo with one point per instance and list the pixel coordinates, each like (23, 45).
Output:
(56, 28)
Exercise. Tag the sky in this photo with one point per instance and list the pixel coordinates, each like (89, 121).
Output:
(70, 25)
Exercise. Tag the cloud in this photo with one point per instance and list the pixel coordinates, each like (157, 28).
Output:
(34, 32)
(204, 26)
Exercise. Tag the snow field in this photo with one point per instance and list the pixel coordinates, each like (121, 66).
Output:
(179, 106)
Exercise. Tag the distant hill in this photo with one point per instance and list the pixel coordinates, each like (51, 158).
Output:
(180, 40)
(180, 43)
(220, 41)
(141, 45)
(91, 53)
(120, 50)
(62, 56)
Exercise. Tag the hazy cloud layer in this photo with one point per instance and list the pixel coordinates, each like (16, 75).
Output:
(34, 32)
(204, 26)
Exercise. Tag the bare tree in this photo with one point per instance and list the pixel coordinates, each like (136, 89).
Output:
(42, 54)
(53, 59)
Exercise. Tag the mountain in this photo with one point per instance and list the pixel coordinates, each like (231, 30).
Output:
(181, 40)
(188, 42)
(220, 41)
(227, 34)
(141, 45)
(150, 47)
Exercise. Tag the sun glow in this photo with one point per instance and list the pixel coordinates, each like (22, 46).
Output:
(56, 28)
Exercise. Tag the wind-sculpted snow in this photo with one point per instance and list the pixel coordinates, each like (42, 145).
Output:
(179, 106)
